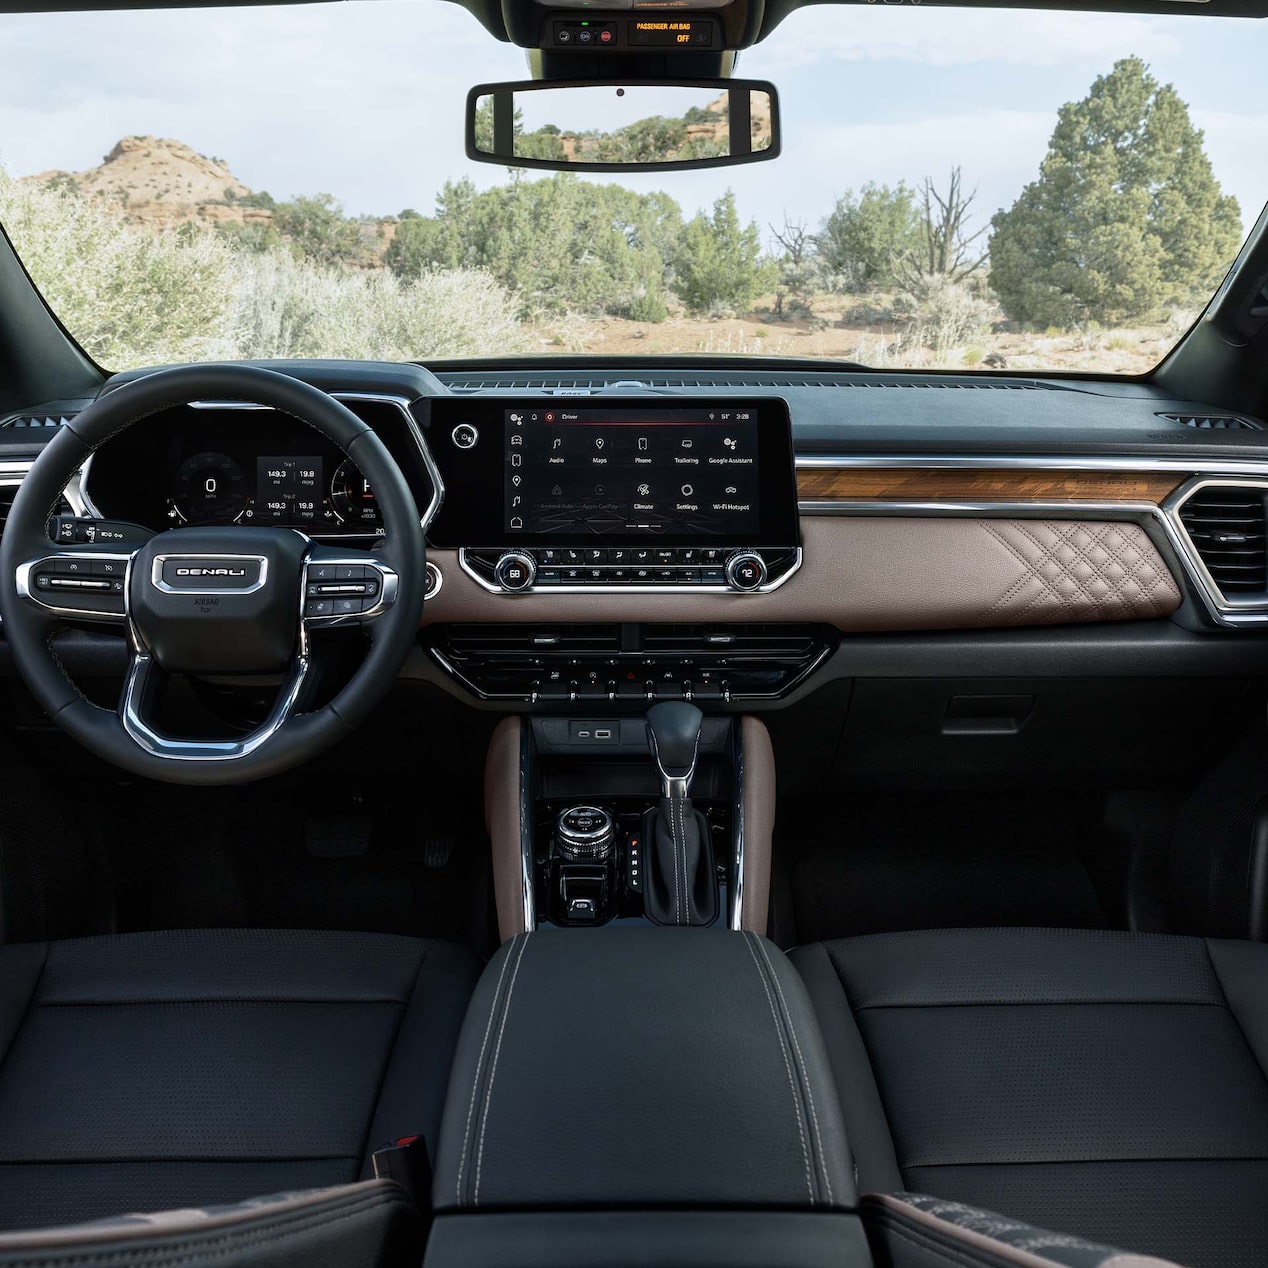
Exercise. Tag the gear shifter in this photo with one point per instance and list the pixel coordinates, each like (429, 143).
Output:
(680, 888)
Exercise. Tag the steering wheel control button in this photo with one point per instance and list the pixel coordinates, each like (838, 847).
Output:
(515, 572)
(746, 571)
(465, 436)
(433, 579)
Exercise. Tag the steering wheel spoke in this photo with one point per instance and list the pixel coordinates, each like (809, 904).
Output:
(79, 585)
(139, 702)
(345, 587)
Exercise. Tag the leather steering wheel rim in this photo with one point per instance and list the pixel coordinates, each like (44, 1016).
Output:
(29, 626)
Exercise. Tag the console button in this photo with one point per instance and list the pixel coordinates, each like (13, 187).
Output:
(619, 576)
(594, 556)
(664, 556)
(573, 556)
(465, 436)
(712, 576)
(548, 556)
(689, 555)
(688, 576)
(665, 576)
(643, 576)
(595, 576)
(514, 571)
(713, 555)
(548, 577)
(643, 555)
(573, 576)
(619, 556)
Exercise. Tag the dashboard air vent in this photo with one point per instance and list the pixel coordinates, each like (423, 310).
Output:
(1213, 422)
(514, 641)
(774, 641)
(36, 420)
(1227, 523)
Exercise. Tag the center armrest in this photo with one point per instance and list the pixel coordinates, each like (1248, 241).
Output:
(641, 1067)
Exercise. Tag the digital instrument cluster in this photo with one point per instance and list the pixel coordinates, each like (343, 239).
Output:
(198, 467)
(321, 494)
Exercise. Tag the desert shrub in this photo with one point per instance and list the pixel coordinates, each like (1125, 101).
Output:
(720, 268)
(287, 308)
(130, 296)
(949, 316)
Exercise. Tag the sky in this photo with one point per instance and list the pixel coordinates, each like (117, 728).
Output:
(364, 99)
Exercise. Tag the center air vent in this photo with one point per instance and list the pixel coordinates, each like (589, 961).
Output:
(1227, 523)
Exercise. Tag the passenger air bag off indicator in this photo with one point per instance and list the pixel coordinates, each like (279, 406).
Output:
(671, 33)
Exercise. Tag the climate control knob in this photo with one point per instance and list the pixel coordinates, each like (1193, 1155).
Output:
(515, 571)
(746, 570)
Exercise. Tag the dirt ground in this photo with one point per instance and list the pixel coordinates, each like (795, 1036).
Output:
(1106, 351)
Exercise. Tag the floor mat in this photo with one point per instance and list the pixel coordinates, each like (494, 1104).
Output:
(947, 862)
(299, 857)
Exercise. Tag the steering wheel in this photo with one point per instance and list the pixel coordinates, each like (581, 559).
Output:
(221, 601)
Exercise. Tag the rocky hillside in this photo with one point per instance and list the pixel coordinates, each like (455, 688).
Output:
(160, 182)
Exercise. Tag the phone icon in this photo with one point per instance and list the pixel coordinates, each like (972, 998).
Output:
(516, 459)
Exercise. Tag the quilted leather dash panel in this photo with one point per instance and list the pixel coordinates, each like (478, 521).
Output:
(1078, 571)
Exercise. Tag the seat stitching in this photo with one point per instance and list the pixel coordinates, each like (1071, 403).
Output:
(680, 860)
(792, 1086)
(270, 1002)
(493, 1069)
(475, 1083)
(801, 1067)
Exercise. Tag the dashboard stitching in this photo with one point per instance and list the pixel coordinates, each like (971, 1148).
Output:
(1048, 554)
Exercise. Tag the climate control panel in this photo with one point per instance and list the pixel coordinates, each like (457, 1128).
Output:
(568, 569)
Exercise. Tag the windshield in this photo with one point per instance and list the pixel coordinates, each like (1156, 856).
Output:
(957, 189)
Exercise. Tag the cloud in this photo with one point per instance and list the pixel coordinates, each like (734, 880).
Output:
(958, 37)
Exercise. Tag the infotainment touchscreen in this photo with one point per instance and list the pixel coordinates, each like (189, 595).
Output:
(577, 472)
(611, 471)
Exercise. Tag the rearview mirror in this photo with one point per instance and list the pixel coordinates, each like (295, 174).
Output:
(648, 126)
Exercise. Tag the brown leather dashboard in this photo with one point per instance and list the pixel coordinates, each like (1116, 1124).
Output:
(876, 573)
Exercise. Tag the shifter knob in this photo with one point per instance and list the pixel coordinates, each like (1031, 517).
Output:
(673, 729)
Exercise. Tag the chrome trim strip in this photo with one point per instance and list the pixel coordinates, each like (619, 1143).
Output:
(629, 588)
(737, 823)
(1042, 462)
(156, 575)
(526, 828)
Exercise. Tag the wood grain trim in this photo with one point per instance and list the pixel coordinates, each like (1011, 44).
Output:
(921, 484)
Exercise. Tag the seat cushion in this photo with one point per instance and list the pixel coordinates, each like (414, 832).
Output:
(1110, 1085)
(191, 1068)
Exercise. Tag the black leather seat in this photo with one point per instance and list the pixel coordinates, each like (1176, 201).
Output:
(1109, 1085)
(185, 1069)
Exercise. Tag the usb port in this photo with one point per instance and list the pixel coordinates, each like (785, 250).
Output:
(603, 735)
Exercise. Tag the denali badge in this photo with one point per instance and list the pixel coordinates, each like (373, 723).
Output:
(209, 574)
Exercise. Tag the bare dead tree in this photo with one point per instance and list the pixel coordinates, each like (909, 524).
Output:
(796, 239)
(795, 267)
(949, 251)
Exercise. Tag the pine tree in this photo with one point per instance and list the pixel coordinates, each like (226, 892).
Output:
(1126, 215)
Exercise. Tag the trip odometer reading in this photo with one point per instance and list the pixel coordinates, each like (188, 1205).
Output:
(353, 500)
(210, 489)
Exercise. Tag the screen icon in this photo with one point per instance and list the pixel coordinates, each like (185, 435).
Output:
(729, 441)
(598, 442)
(686, 444)
(644, 490)
(517, 439)
(687, 490)
(557, 443)
(515, 480)
(517, 459)
(516, 522)
(642, 444)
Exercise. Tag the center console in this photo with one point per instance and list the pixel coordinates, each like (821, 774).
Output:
(634, 1097)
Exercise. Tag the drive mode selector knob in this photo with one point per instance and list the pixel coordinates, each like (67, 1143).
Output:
(584, 833)
(746, 570)
(515, 571)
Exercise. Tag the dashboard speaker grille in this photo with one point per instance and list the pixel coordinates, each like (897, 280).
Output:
(1227, 525)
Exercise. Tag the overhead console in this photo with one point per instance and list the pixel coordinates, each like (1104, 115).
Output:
(614, 495)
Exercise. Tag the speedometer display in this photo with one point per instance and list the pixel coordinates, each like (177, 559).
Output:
(210, 489)
(353, 500)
